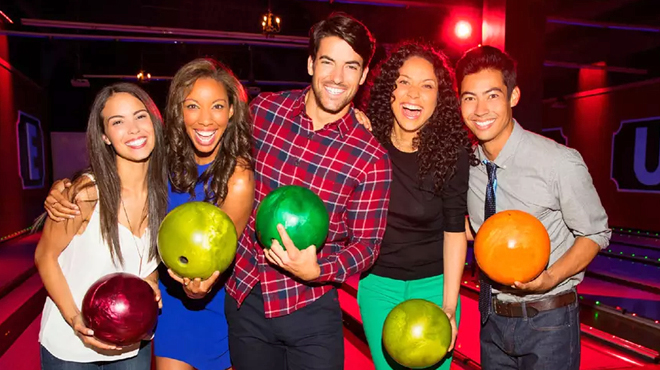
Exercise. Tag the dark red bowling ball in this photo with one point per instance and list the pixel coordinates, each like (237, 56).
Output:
(120, 308)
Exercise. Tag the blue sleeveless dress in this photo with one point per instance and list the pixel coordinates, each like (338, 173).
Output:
(192, 330)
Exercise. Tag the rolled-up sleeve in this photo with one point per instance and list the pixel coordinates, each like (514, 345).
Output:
(580, 204)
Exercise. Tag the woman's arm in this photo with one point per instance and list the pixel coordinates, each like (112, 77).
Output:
(238, 206)
(240, 198)
(55, 237)
(454, 250)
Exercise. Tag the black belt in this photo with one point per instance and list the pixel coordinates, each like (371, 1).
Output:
(515, 309)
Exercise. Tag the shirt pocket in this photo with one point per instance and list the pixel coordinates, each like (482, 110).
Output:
(533, 195)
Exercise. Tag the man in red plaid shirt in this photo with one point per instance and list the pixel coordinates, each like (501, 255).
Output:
(282, 305)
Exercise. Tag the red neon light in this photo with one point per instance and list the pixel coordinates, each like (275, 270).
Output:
(6, 17)
(463, 30)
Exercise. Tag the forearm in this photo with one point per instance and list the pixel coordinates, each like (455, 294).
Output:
(454, 252)
(576, 259)
(57, 287)
(366, 221)
(355, 258)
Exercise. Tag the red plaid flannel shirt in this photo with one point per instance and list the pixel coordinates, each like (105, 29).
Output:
(342, 163)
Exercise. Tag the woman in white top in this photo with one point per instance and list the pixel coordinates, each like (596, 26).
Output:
(122, 199)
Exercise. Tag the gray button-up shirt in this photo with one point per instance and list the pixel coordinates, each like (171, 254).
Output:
(549, 181)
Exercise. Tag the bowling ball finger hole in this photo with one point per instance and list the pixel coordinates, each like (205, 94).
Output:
(183, 260)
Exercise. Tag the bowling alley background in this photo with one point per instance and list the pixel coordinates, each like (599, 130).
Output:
(589, 73)
(600, 114)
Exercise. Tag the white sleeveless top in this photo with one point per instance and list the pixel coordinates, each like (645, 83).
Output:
(85, 260)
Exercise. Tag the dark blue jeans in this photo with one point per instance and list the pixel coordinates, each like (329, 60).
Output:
(140, 362)
(548, 341)
(310, 338)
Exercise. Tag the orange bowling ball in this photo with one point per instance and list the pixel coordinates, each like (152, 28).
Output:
(512, 246)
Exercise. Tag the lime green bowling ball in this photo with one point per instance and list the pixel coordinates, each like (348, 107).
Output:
(417, 333)
(197, 238)
(299, 210)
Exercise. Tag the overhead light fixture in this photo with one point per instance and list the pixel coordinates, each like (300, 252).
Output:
(270, 24)
(463, 30)
(143, 76)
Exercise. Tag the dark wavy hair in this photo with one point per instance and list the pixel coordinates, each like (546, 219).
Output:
(235, 144)
(103, 166)
(444, 135)
(347, 28)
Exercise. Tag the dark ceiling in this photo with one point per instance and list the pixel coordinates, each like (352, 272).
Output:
(54, 61)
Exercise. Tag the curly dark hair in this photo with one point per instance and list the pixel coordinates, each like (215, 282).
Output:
(444, 135)
(235, 144)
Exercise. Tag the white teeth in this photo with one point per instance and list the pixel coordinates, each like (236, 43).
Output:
(334, 91)
(205, 133)
(484, 123)
(412, 107)
(205, 137)
(137, 142)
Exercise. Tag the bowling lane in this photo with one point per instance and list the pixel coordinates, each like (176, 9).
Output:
(636, 272)
(24, 352)
(643, 303)
(648, 241)
(355, 353)
(646, 253)
(16, 259)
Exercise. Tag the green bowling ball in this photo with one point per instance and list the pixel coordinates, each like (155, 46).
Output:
(299, 210)
(417, 333)
(197, 238)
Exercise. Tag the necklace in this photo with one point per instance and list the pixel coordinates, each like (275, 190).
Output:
(137, 249)
(407, 148)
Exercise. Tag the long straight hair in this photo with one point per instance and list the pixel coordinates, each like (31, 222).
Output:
(103, 167)
(235, 144)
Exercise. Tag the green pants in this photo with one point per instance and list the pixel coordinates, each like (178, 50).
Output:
(378, 295)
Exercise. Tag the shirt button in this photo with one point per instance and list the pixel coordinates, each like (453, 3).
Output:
(297, 162)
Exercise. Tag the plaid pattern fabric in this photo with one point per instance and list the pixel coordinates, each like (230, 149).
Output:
(342, 163)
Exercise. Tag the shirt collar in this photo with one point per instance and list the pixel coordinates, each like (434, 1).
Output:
(509, 148)
(343, 125)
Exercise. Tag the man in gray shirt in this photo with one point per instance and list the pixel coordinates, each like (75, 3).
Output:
(530, 325)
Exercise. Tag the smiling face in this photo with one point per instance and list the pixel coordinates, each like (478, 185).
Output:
(128, 127)
(337, 72)
(486, 108)
(206, 113)
(415, 96)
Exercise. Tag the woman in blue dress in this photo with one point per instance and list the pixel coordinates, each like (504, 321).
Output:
(209, 143)
(209, 154)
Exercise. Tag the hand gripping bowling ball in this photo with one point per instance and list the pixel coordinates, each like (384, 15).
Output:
(120, 308)
(196, 239)
(299, 210)
(512, 246)
(417, 333)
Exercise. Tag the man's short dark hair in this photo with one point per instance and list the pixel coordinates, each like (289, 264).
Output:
(346, 28)
(487, 57)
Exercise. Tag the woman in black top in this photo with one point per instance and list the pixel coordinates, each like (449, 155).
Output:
(414, 112)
